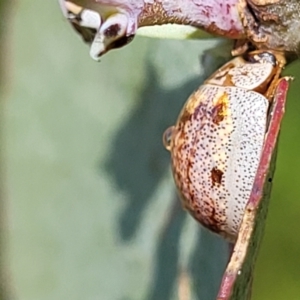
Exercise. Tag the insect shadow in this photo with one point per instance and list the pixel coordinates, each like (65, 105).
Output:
(137, 163)
(205, 264)
(138, 159)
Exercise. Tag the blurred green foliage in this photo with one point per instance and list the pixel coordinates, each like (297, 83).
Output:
(277, 274)
(90, 201)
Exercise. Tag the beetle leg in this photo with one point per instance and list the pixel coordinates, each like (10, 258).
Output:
(281, 62)
(240, 47)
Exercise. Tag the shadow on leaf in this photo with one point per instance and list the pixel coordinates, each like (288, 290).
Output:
(137, 163)
(138, 159)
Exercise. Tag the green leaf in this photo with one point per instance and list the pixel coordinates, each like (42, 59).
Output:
(91, 206)
(92, 203)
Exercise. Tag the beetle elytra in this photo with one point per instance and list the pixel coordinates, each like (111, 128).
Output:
(217, 141)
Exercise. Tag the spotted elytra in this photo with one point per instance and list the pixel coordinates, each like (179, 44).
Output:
(217, 141)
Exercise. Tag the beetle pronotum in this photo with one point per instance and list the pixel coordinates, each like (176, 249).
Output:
(217, 141)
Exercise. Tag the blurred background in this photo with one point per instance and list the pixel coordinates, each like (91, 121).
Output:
(88, 207)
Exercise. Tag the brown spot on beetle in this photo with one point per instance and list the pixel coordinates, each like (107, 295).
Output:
(219, 112)
(216, 176)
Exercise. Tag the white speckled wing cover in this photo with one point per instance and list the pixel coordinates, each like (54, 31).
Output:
(219, 156)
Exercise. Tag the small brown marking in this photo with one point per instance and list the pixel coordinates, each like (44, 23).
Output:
(112, 31)
(184, 117)
(207, 216)
(223, 71)
(216, 176)
(219, 112)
